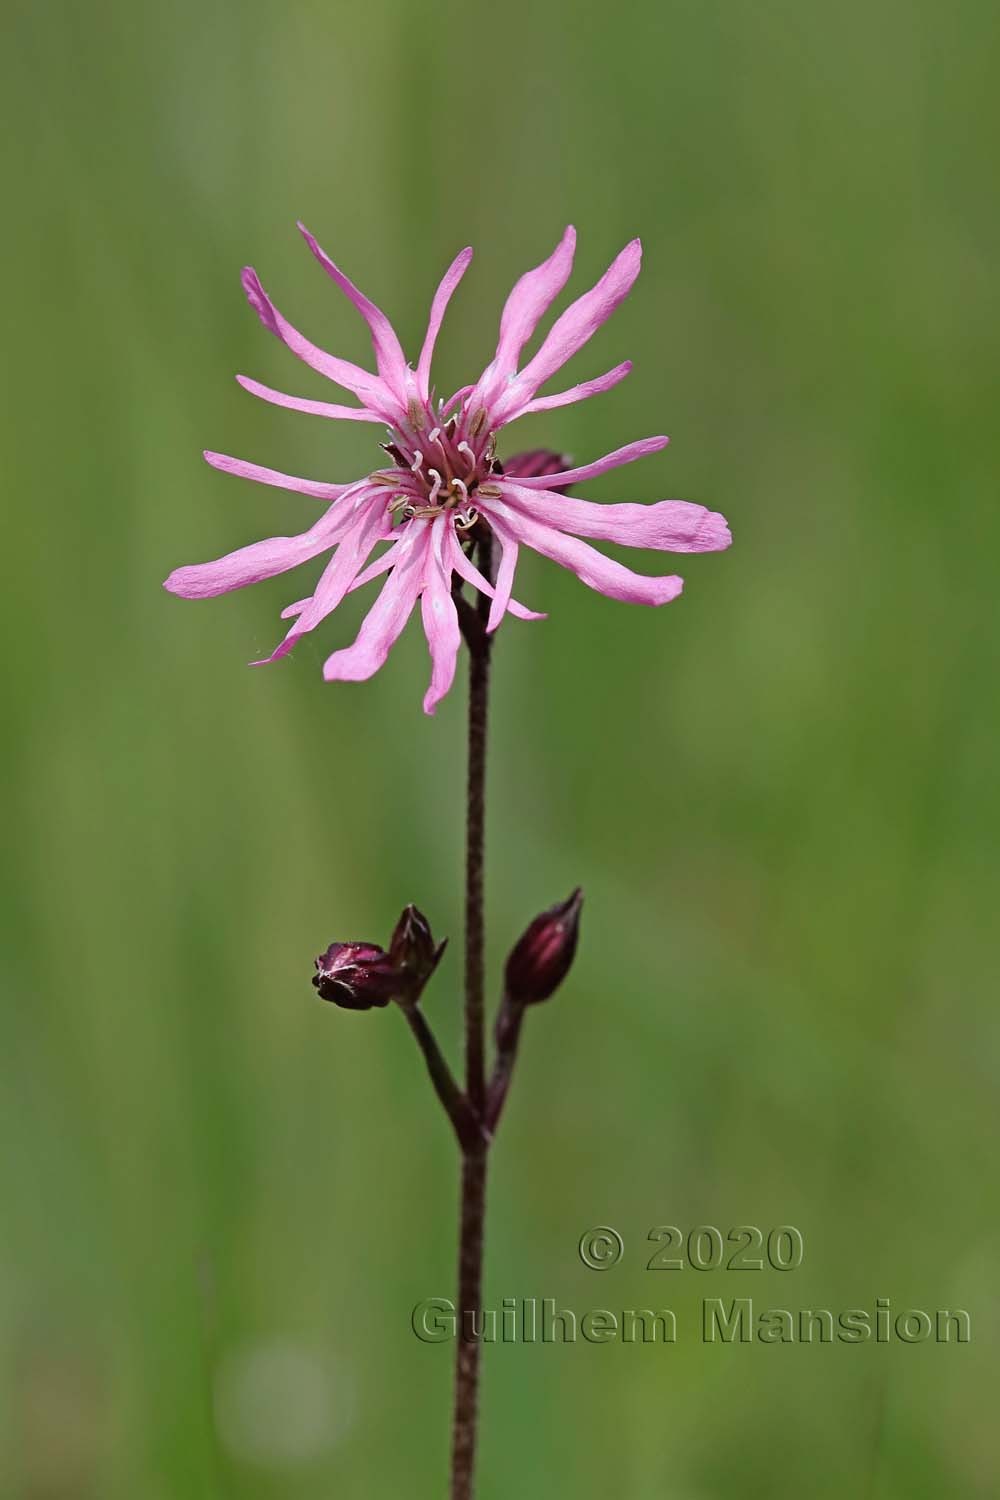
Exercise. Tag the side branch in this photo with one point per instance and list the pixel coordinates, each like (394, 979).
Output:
(466, 1126)
(508, 1034)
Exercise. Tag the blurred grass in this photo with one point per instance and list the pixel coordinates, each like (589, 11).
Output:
(780, 794)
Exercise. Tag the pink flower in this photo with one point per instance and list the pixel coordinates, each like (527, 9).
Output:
(443, 475)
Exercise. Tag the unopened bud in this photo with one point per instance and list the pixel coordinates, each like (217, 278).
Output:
(535, 463)
(541, 958)
(412, 948)
(357, 976)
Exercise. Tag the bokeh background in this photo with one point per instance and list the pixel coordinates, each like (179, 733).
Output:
(221, 1198)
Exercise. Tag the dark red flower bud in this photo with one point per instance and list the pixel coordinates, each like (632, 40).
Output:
(535, 464)
(541, 958)
(357, 976)
(412, 948)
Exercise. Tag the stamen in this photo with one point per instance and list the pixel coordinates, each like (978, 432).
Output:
(434, 434)
(458, 484)
(435, 487)
(463, 523)
(418, 462)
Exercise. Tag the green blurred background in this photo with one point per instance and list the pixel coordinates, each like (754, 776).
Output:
(221, 1199)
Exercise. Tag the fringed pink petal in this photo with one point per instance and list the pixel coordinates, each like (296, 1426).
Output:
(258, 561)
(370, 526)
(576, 393)
(571, 330)
(314, 408)
(389, 355)
(368, 388)
(666, 525)
(590, 566)
(456, 399)
(378, 567)
(505, 577)
(374, 570)
(466, 569)
(389, 559)
(384, 622)
(257, 472)
(440, 617)
(615, 460)
(531, 298)
(439, 307)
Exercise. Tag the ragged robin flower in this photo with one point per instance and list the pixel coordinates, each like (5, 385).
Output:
(443, 478)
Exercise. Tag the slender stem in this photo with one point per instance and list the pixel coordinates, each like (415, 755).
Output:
(467, 1128)
(469, 1346)
(479, 683)
(473, 1199)
(508, 1035)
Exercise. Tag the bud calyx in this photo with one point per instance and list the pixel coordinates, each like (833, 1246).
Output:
(357, 976)
(541, 958)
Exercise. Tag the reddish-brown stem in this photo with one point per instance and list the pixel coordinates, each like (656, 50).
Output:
(508, 1035)
(468, 1347)
(466, 1126)
(479, 684)
(473, 1191)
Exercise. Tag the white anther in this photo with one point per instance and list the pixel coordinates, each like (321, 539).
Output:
(435, 487)
(463, 447)
(418, 462)
(433, 435)
(463, 488)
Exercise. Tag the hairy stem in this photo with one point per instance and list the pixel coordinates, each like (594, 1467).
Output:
(479, 691)
(473, 1197)
(508, 1035)
(466, 1126)
(468, 1347)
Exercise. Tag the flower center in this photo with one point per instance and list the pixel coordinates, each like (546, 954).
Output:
(438, 468)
